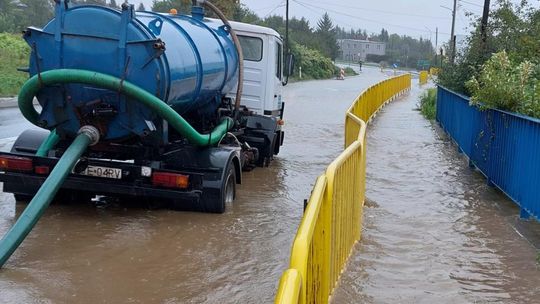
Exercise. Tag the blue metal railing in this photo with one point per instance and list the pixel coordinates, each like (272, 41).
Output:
(504, 146)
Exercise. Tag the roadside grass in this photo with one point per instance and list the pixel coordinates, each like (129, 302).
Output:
(428, 102)
(14, 54)
(538, 258)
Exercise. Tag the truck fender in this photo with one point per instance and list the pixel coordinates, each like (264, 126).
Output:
(29, 141)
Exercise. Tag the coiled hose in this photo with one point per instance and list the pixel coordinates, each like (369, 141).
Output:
(28, 219)
(34, 84)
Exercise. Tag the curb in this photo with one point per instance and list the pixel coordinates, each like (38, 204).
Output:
(11, 102)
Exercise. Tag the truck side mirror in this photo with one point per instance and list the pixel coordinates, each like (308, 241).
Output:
(290, 64)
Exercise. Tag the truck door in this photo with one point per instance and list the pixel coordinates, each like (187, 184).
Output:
(255, 76)
(274, 104)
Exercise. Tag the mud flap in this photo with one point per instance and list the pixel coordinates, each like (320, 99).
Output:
(260, 132)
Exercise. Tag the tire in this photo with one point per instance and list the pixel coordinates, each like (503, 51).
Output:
(227, 193)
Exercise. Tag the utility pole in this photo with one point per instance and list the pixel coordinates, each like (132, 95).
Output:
(452, 38)
(436, 39)
(436, 43)
(483, 27)
(287, 50)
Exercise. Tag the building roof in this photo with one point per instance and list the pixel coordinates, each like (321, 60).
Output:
(361, 40)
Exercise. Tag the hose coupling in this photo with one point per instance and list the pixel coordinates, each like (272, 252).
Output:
(92, 132)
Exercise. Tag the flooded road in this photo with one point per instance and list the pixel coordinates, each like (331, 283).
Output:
(434, 232)
(115, 253)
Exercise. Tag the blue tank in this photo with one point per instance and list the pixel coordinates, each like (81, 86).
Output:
(189, 62)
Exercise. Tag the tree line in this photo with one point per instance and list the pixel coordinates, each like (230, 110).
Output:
(16, 15)
(321, 38)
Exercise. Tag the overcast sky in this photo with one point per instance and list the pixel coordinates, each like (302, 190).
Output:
(417, 18)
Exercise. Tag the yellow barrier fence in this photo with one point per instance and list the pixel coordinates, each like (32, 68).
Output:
(423, 77)
(434, 71)
(332, 221)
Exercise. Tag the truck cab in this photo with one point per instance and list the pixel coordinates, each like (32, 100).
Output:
(263, 68)
(262, 49)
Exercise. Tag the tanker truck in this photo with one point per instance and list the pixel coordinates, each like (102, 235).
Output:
(135, 104)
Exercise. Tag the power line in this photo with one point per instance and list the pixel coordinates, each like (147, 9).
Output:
(378, 11)
(364, 19)
(471, 3)
(337, 22)
(264, 8)
(281, 4)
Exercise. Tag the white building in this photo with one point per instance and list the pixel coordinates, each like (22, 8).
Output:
(355, 49)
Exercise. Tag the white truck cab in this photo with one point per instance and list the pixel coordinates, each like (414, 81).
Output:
(263, 68)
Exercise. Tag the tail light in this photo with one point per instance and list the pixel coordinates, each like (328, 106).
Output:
(44, 170)
(16, 163)
(170, 180)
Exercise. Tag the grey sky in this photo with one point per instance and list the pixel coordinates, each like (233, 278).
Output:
(417, 18)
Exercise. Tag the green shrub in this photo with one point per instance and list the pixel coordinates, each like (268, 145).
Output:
(14, 53)
(506, 85)
(314, 64)
(428, 103)
(350, 72)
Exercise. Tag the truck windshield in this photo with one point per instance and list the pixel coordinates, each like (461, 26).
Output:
(252, 47)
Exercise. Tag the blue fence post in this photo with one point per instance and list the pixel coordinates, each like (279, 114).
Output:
(524, 214)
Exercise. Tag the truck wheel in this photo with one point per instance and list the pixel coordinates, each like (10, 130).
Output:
(226, 196)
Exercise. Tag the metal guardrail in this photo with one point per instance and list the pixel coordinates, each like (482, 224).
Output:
(423, 77)
(332, 221)
(503, 146)
(434, 71)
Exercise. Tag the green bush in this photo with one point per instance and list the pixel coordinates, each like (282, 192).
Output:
(506, 85)
(428, 103)
(314, 64)
(350, 72)
(14, 53)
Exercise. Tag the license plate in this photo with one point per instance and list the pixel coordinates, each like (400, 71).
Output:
(106, 172)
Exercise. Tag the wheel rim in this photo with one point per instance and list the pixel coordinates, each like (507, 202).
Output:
(229, 190)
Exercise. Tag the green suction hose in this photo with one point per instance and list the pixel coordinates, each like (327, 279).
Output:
(43, 197)
(87, 135)
(48, 144)
(34, 84)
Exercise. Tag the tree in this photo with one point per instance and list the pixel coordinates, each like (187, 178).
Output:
(17, 15)
(37, 12)
(511, 28)
(228, 7)
(164, 6)
(94, 2)
(326, 37)
(383, 36)
(244, 14)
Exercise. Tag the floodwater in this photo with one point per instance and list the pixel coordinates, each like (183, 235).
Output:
(434, 232)
(117, 253)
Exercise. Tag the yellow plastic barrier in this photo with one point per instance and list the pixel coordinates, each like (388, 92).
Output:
(423, 77)
(332, 221)
(434, 71)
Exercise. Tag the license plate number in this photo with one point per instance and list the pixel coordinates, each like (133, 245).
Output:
(106, 172)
